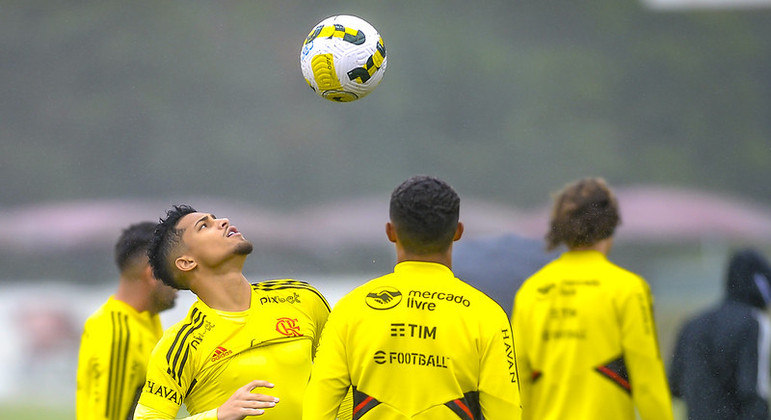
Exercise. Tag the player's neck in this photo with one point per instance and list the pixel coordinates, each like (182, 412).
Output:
(444, 258)
(602, 246)
(130, 292)
(228, 292)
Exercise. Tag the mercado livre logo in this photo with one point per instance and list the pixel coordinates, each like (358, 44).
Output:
(384, 297)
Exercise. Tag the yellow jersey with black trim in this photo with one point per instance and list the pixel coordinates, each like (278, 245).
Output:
(114, 350)
(206, 357)
(416, 344)
(587, 345)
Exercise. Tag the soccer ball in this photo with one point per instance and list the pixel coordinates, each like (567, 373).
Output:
(343, 58)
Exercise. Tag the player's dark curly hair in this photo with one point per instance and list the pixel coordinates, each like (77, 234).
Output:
(424, 210)
(165, 238)
(132, 244)
(584, 213)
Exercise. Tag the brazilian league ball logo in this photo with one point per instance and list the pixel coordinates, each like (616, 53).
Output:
(382, 298)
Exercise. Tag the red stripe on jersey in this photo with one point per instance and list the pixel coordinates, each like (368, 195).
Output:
(465, 409)
(616, 377)
(362, 404)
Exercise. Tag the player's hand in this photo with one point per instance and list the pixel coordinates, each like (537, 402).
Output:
(244, 402)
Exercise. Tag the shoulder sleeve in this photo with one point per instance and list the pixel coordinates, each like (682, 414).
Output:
(171, 368)
(499, 393)
(318, 309)
(102, 372)
(519, 326)
(330, 379)
(641, 352)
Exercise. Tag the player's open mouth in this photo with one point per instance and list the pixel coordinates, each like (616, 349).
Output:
(232, 231)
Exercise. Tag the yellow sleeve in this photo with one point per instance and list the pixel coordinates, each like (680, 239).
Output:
(165, 386)
(89, 391)
(642, 356)
(330, 380)
(525, 370)
(498, 377)
(102, 378)
(319, 312)
(346, 407)
(144, 412)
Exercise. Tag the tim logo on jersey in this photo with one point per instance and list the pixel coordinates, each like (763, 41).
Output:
(385, 297)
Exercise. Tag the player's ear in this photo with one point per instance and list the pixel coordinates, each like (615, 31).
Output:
(458, 232)
(185, 263)
(390, 232)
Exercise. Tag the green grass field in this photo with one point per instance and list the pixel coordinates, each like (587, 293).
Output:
(28, 411)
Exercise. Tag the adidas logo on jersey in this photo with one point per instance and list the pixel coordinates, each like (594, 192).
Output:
(219, 353)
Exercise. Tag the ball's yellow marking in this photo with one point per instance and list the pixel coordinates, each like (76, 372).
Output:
(354, 36)
(323, 66)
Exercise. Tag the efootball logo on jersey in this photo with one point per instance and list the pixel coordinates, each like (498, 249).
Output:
(382, 298)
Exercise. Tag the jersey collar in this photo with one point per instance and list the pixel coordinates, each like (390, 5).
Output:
(422, 266)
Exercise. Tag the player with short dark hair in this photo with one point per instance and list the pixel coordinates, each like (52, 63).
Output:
(118, 338)
(167, 239)
(586, 340)
(417, 343)
(234, 333)
(424, 213)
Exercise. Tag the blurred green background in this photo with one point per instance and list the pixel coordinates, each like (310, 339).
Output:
(160, 102)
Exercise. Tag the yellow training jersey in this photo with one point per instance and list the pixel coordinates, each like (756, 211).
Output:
(586, 343)
(416, 344)
(206, 357)
(114, 350)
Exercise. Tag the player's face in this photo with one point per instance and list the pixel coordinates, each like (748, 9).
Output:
(211, 241)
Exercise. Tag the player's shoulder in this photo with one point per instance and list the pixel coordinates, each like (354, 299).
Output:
(110, 313)
(624, 279)
(468, 296)
(187, 333)
(467, 289)
(382, 285)
(283, 284)
(287, 291)
(197, 316)
(540, 284)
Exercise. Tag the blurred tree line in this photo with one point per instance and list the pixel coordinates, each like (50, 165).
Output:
(507, 100)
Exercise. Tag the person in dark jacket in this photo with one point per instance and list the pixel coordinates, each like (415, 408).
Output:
(720, 366)
(498, 265)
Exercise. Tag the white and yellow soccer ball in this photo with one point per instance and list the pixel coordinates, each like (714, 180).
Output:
(343, 58)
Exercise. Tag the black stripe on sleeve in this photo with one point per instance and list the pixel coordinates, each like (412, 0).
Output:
(179, 335)
(190, 388)
(123, 364)
(112, 363)
(117, 368)
(177, 365)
